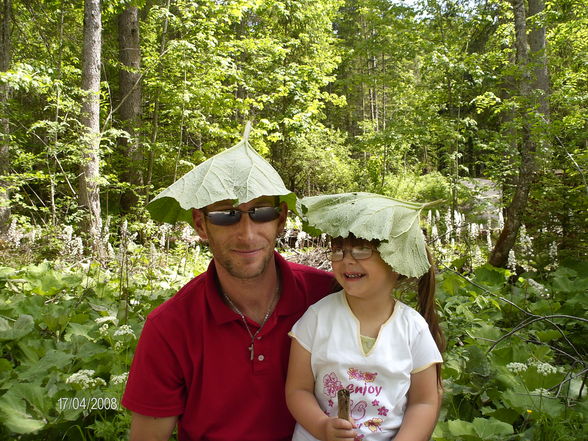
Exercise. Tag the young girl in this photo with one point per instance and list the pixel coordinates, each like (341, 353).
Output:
(362, 339)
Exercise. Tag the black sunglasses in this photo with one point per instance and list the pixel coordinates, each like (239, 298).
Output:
(233, 216)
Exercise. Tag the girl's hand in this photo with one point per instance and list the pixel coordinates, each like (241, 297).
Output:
(338, 429)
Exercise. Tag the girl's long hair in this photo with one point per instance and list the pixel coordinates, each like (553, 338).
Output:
(426, 306)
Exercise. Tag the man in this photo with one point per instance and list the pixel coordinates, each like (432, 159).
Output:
(213, 359)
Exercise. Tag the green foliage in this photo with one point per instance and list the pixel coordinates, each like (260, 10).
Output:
(67, 335)
(362, 95)
(506, 385)
(412, 187)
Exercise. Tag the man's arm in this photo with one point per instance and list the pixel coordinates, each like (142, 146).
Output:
(146, 428)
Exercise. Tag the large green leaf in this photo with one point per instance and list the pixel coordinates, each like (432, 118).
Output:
(21, 327)
(371, 216)
(13, 408)
(239, 174)
(490, 429)
(460, 428)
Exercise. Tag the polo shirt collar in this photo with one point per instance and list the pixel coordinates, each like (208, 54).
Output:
(290, 302)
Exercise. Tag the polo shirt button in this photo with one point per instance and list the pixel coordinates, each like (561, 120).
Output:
(260, 357)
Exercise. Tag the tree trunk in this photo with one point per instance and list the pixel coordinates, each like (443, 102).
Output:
(528, 143)
(130, 108)
(155, 116)
(6, 16)
(537, 45)
(89, 191)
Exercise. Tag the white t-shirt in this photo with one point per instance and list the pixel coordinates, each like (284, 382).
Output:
(378, 381)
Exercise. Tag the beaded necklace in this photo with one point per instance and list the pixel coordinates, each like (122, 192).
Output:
(265, 317)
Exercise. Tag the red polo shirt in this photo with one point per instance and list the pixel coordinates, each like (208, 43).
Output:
(193, 360)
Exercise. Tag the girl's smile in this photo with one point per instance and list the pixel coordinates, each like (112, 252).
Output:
(365, 276)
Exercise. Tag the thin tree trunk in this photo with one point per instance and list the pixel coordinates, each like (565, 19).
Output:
(155, 117)
(130, 108)
(527, 148)
(6, 17)
(538, 45)
(89, 191)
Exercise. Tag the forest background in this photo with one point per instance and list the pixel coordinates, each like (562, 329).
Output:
(480, 104)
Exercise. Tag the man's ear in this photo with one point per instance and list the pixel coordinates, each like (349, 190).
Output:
(283, 217)
(199, 223)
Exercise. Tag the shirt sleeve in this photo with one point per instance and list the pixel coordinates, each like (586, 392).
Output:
(424, 351)
(155, 386)
(304, 330)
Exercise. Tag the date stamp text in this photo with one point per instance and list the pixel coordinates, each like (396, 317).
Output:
(87, 403)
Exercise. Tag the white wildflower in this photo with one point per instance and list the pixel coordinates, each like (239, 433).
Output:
(541, 290)
(124, 228)
(540, 391)
(478, 258)
(119, 379)
(66, 233)
(512, 261)
(152, 252)
(188, 235)
(525, 240)
(300, 238)
(164, 230)
(435, 236)
(553, 250)
(124, 330)
(103, 330)
(14, 235)
(85, 378)
(75, 247)
(294, 223)
(458, 222)
(110, 251)
(118, 346)
(545, 369)
(448, 222)
(474, 230)
(516, 368)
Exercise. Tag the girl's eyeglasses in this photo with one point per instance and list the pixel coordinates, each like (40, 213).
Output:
(232, 216)
(358, 253)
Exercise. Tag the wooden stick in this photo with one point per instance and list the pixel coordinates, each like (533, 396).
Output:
(343, 404)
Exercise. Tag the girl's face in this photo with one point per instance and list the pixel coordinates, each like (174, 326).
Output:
(363, 278)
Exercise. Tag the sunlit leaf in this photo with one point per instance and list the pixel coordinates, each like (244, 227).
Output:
(239, 174)
(371, 216)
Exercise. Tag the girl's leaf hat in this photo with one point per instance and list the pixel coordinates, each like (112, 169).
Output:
(239, 174)
(371, 216)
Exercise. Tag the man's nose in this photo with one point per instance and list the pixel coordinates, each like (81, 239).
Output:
(245, 225)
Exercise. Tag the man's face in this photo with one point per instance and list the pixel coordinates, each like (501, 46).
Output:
(244, 249)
